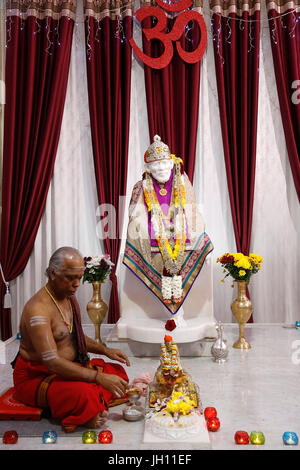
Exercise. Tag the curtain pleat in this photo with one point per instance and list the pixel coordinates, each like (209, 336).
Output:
(109, 78)
(37, 66)
(285, 41)
(236, 34)
(2, 86)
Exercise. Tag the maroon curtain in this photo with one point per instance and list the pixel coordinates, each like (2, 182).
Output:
(285, 40)
(172, 95)
(37, 64)
(236, 48)
(109, 76)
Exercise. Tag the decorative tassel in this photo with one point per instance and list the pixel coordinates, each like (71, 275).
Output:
(7, 297)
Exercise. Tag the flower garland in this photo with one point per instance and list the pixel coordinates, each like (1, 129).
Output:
(171, 288)
(172, 257)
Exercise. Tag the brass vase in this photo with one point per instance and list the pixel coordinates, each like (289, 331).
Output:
(97, 309)
(241, 308)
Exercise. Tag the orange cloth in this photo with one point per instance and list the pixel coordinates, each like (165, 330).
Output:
(73, 402)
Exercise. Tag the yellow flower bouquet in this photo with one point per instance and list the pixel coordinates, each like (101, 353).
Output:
(240, 266)
(179, 404)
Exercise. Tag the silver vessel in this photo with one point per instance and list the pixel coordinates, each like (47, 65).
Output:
(219, 349)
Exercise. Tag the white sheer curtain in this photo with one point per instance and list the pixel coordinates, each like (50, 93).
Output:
(70, 216)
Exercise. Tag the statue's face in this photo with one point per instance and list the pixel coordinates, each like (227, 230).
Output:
(161, 169)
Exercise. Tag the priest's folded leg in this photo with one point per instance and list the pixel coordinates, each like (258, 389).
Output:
(74, 403)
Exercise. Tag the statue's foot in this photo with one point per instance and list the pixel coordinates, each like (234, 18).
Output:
(97, 421)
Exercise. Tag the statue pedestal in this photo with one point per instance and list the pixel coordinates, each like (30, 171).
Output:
(143, 315)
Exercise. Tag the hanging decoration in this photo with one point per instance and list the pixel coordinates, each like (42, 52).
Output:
(185, 24)
(7, 295)
(44, 15)
(218, 15)
(179, 28)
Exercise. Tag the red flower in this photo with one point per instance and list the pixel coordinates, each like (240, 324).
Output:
(226, 259)
(170, 325)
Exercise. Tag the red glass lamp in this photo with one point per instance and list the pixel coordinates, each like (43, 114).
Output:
(213, 424)
(241, 437)
(10, 437)
(210, 412)
(105, 437)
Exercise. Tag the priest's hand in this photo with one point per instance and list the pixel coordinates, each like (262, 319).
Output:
(112, 383)
(117, 355)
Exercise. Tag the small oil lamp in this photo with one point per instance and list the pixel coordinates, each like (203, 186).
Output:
(290, 438)
(210, 412)
(49, 437)
(213, 424)
(10, 437)
(105, 437)
(257, 437)
(241, 437)
(89, 437)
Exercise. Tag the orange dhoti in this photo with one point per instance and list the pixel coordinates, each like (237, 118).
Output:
(73, 402)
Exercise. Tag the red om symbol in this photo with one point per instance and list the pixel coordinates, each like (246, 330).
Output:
(174, 35)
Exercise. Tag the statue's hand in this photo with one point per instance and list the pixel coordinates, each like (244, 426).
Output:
(117, 355)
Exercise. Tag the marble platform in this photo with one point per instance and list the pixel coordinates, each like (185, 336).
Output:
(256, 389)
(139, 349)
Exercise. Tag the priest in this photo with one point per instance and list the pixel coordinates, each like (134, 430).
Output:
(52, 369)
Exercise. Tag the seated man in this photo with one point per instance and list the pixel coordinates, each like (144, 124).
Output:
(52, 369)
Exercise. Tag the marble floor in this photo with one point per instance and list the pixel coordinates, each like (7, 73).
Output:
(256, 389)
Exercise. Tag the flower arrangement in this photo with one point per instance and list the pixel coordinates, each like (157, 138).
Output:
(240, 266)
(179, 404)
(176, 405)
(97, 268)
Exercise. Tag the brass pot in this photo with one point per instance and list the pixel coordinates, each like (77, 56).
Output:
(241, 309)
(97, 309)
